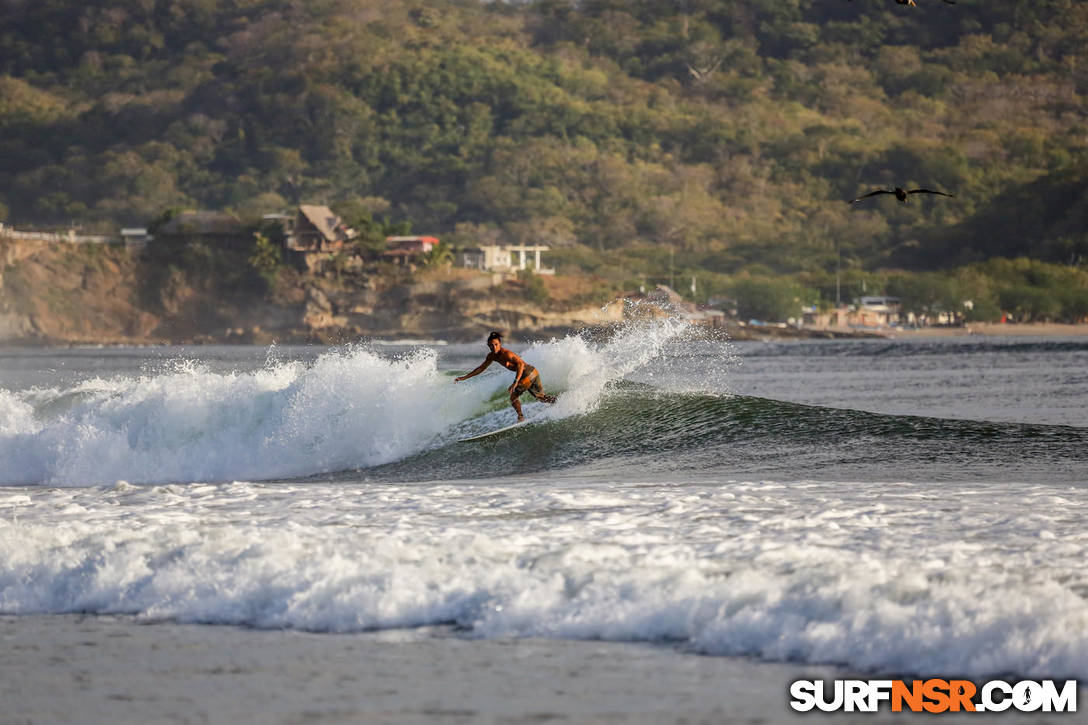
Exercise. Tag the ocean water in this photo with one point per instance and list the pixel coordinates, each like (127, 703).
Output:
(910, 506)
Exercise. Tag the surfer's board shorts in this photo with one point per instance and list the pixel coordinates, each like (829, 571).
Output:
(530, 381)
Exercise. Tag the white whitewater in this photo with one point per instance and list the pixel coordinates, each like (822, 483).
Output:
(352, 408)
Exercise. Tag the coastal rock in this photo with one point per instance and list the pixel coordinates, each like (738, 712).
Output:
(62, 293)
(14, 326)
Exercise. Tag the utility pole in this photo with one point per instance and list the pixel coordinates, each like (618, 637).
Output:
(838, 294)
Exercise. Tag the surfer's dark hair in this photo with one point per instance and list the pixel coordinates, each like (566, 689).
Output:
(494, 336)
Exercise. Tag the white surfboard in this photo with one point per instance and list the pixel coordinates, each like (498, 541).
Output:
(494, 432)
(530, 416)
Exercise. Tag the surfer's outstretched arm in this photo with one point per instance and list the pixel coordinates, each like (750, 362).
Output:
(477, 371)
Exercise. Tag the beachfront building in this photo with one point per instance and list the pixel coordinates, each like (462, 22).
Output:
(877, 312)
(317, 229)
(68, 236)
(407, 249)
(135, 236)
(535, 249)
(504, 258)
(313, 236)
(867, 312)
(470, 258)
(214, 228)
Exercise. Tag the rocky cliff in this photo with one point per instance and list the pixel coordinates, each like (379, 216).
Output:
(94, 293)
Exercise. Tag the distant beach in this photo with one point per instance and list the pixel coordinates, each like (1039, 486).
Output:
(992, 329)
(987, 329)
(997, 329)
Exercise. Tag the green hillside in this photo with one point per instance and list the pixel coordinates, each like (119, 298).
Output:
(730, 132)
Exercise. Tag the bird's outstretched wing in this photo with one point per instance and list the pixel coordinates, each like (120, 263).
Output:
(928, 191)
(871, 193)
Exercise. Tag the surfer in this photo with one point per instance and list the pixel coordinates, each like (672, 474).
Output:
(526, 377)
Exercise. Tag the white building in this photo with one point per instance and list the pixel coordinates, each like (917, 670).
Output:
(135, 236)
(501, 258)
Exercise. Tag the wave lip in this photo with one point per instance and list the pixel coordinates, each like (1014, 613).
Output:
(351, 408)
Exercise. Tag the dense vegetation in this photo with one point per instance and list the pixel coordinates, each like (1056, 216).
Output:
(641, 138)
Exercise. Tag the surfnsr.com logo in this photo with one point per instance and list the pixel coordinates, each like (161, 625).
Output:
(933, 695)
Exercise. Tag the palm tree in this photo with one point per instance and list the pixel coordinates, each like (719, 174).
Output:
(441, 255)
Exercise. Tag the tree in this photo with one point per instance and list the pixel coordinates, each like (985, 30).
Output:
(441, 255)
(1074, 301)
(266, 258)
(533, 286)
(770, 299)
(1030, 304)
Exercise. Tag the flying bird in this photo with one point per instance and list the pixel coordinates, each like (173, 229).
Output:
(900, 194)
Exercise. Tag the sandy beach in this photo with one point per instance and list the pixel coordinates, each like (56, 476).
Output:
(994, 329)
(111, 669)
(1042, 330)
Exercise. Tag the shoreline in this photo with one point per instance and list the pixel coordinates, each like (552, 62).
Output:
(733, 333)
(973, 329)
(997, 329)
(118, 669)
(69, 668)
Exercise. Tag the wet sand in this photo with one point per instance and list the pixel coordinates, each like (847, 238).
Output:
(88, 670)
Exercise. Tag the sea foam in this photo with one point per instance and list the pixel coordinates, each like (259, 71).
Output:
(351, 408)
(871, 579)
